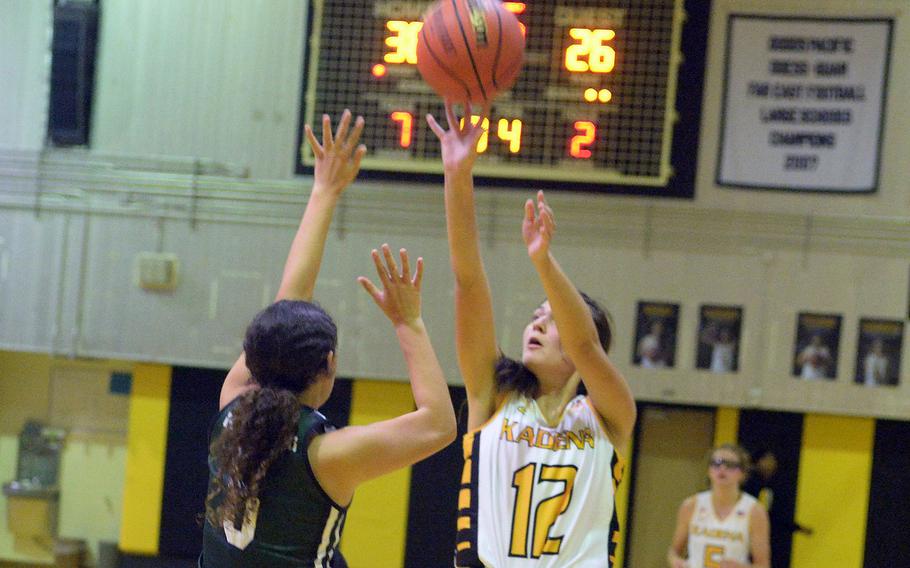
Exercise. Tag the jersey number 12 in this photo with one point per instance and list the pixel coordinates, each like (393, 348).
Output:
(545, 513)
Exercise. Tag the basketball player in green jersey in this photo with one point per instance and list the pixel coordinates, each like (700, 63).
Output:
(281, 478)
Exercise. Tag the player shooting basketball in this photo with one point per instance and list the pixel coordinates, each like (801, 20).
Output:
(538, 456)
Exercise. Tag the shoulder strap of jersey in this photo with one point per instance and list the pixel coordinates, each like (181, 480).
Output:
(312, 423)
(217, 423)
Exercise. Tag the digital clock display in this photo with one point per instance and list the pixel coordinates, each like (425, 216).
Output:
(594, 103)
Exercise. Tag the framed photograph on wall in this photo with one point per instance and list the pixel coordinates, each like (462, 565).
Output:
(719, 330)
(655, 335)
(878, 352)
(816, 347)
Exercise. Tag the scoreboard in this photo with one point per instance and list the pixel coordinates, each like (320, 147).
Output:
(594, 103)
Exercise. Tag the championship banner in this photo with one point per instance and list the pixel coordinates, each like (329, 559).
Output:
(804, 103)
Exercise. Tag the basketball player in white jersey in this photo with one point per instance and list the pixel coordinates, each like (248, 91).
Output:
(722, 527)
(536, 487)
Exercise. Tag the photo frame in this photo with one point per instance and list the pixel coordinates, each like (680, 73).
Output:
(817, 346)
(655, 335)
(719, 333)
(878, 352)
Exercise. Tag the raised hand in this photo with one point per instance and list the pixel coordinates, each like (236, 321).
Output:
(538, 227)
(338, 157)
(459, 142)
(399, 298)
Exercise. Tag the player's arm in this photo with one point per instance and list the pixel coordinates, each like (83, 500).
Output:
(760, 537)
(475, 335)
(677, 553)
(344, 458)
(607, 388)
(336, 165)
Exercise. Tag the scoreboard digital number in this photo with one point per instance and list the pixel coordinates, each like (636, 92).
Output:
(594, 103)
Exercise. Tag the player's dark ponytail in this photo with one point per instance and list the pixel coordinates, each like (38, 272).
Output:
(261, 426)
(287, 349)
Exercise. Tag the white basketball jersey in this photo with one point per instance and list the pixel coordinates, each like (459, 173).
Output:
(535, 495)
(712, 540)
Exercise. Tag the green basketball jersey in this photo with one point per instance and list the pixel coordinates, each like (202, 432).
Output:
(296, 524)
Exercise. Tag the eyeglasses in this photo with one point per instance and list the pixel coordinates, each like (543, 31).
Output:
(729, 464)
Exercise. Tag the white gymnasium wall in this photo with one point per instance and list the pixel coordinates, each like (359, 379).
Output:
(220, 80)
(25, 41)
(213, 79)
(231, 258)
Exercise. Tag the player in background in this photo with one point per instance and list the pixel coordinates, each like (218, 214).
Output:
(722, 527)
(538, 456)
(282, 479)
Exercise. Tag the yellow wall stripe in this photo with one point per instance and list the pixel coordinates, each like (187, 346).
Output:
(145, 454)
(726, 426)
(622, 503)
(832, 498)
(376, 528)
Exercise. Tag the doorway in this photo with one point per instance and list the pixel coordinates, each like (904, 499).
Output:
(671, 446)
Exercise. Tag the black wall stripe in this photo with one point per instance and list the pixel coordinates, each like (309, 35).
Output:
(338, 407)
(194, 404)
(887, 545)
(781, 433)
(433, 500)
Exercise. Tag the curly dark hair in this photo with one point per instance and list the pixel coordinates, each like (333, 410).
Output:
(513, 375)
(287, 346)
(260, 429)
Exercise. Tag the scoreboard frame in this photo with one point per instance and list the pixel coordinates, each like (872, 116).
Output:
(683, 117)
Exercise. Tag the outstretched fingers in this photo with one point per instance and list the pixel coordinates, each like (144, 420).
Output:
(371, 288)
(384, 276)
(359, 153)
(450, 115)
(327, 141)
(545, 213)
(405, 265)
(529, 211)
(314, 144)
(434, 126)
(351, 143)
(390, 262)
(418, 275)
(343, 125)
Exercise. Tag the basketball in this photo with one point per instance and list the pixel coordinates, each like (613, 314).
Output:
(470, 50)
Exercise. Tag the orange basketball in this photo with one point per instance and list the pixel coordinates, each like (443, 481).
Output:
(470, 50)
